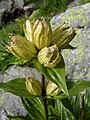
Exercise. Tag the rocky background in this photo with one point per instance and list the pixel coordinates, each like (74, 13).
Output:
(77, 60)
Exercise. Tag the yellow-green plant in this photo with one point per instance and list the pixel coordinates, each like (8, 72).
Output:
(42, 47)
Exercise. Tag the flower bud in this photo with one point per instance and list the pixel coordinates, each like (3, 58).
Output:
(21, 47)
(28, 30)
(63, 35)
(39, 32)
(33, 86)
(49, 56)
(42, 33)
(52, 89)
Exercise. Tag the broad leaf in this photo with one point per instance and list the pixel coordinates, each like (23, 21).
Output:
(17, 87)
(60, 72)
(42, 69)
(78, 87)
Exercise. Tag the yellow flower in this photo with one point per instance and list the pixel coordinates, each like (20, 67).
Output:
(62, 35)
(33, 86)
(52, 89)
(49, 56)
(21, 47)
(39, 32)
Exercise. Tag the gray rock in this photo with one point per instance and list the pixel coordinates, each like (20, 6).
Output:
(3, 115)
(78, 60)
(13, 105)
(1, 14)
(1, 77)
(29, 8)
(19, 72)
(19, 3)
(9, 7)
(78, 16)
(6, 5)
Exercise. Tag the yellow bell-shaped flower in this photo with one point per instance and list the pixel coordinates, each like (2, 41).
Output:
(62, 35)
(39, 32)
(21, 47)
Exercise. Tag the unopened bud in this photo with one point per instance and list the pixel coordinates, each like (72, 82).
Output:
(21, 47)
(33, 86)
(49, 56)
(42, 33)
(63, 35)
(52, 89)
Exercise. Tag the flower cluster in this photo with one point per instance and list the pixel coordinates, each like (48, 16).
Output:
(40, 41)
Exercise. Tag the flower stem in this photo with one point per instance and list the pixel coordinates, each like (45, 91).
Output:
(82, 96)
(44, 96)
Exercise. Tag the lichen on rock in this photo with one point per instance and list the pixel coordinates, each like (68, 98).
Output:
(77, 60)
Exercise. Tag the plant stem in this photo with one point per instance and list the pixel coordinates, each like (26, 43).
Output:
(44, 96)
(82, 95)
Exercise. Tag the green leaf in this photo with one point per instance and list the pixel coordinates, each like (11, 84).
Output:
(76, 105)
(65, 114)
(19, 117)
(5, 57)
(67, 104)
(32, 110)
(39, 105)
(57, 74)
(70, 47)
(17, 87)
(17, 61)
(60, 72)
(55, 112)
(27, 107)
(78, 87)
(41, 68)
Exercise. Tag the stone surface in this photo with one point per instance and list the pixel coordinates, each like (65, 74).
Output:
(3, 114)
(29, 8)
(19, 3)
(78, 16)
(1, 77)
(19, 72)
(9, 7)
(78, 60)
